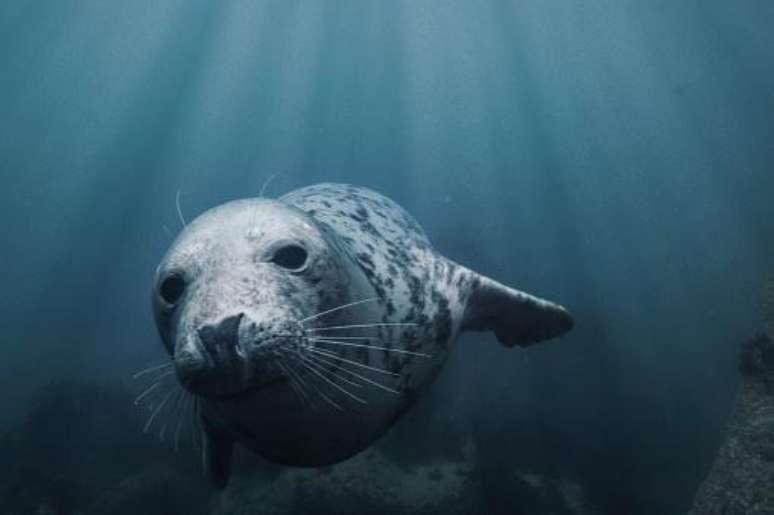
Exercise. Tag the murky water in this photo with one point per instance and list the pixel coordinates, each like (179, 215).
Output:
(613, 155)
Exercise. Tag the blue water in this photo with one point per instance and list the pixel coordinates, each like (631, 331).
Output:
(613, 155)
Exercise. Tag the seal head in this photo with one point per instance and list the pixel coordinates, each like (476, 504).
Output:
(231, 290)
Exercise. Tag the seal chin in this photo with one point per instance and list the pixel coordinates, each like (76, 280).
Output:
(229, 376)
(225, 383)
(234, 355)
(251, 390)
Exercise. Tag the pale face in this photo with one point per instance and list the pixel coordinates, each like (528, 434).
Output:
(230, 295)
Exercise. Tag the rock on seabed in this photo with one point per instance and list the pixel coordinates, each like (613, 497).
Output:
(741, 481)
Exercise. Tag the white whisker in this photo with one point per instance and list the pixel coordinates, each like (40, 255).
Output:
(266, 184)
(170, 412)
(320, 392)
(314, 369)
(337, 308)
(355, 363)
(151, 369)
(293, 384)
(334, 374)
(174, 408)
(337, 337)
(302, 384)
(360, 326)
(181, 415)
(179, 211)
(363, 346)
(166, 230)
(147, 391)
(195, 424)
(157, 410)
(355, 374)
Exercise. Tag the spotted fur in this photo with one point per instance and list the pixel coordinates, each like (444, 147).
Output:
(413, 283)
(365, 252)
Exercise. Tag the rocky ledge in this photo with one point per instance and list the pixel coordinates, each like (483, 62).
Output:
(741, 481)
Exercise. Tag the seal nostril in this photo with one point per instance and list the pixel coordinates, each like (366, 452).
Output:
(223, 335)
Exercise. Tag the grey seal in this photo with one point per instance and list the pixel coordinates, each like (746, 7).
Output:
(307, 325)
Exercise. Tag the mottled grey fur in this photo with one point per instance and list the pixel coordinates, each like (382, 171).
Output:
(242, 335)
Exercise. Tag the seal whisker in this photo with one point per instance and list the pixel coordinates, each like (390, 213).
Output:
(337, 308)
(305, 400)
(302, 384)
(191, 420)
(161, 376)
(183, 419)
(260, 195)
(355, 363)
(337, 337)
(156, 411)
(181, 415)
(315, 369)
(363, 346)
(172, 412)
(196, 424)
(334, 374)
(362, 378)
(321, 393)
(293, 383)
(360, 326)
(180, 211)
(169, 413)
(148, 370)
(316, 389)
(266, 184)
(146, 392)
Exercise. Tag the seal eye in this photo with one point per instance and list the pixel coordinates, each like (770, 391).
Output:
(172, 288)
(292, 257)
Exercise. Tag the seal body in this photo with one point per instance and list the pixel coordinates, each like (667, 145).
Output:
(307, 325)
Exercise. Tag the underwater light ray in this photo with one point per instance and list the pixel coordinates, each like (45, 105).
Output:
(229, 110)
(109, 117)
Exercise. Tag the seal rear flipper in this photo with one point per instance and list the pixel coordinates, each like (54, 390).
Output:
(516, 318)
(217, 452)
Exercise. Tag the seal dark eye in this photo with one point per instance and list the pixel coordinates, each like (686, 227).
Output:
(292, 257)
(172, 288)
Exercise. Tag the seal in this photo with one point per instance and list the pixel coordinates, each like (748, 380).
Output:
(307, 325)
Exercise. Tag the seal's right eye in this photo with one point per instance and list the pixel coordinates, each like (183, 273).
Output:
(172, 288)
(292, 257)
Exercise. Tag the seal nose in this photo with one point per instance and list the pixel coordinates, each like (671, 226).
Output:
(221, 337)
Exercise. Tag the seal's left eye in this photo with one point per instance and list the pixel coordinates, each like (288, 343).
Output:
(292, 257)
(172, 288)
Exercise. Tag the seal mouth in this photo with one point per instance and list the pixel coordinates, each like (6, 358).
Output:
(233, 357)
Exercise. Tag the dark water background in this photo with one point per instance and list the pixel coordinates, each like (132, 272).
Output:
(614, 155)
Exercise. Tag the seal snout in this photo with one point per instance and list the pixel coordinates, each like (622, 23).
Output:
(222, 338)
(232, 355)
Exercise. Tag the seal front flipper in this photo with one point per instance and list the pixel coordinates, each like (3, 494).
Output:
(217, 452)
(516, 318)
